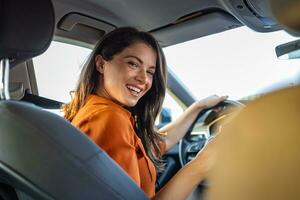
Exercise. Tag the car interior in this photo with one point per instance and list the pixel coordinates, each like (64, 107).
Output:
(42, 156)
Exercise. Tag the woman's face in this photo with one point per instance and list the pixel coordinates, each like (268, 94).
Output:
(129, 75)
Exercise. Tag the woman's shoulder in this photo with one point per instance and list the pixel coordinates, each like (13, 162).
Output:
(97, 106)
(107, 112)
(103, 113)
(97, 119)
(110, 119)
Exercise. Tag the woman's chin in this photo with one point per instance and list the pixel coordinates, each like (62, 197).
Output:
(128, 102)
(131, 103)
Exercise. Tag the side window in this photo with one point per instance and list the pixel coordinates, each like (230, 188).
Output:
(170, 111)
(58, 69)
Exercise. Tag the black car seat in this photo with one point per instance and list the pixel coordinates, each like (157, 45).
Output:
(42, 156)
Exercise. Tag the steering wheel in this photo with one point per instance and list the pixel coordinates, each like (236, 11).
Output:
(205, 126)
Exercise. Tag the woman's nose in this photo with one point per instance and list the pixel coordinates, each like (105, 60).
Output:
(142, 76)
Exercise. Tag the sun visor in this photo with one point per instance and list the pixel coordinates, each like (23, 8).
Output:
(81, 29)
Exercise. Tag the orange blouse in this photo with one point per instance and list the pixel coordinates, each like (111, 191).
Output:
(110, 126)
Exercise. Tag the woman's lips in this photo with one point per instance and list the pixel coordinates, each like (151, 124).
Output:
(135, 90)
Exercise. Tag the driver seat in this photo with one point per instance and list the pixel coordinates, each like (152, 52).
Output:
(42, 156)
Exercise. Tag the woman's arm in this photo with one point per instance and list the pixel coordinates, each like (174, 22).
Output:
(184, 182)
(177, 129)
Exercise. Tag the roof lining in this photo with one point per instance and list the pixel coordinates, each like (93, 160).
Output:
(214, 22)
(80, 29)
(89, 34)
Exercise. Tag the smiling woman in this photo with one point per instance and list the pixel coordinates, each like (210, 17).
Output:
(124, 76)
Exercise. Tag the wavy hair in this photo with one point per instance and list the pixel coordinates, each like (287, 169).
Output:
(147, 108)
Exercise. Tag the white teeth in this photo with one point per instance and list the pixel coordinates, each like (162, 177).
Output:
(137, 90)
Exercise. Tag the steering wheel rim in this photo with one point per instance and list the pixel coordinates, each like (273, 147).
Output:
(187, 147)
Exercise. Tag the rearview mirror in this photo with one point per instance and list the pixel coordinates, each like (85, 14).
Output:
(290, 50)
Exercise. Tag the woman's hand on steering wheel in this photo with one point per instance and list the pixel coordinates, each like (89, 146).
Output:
(208, 124)
(210, 101)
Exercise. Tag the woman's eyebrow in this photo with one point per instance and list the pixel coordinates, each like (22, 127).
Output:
(139, 60)
(152, 67)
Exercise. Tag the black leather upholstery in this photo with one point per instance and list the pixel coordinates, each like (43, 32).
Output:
(26, 28)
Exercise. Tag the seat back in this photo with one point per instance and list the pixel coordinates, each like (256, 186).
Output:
(46, 157)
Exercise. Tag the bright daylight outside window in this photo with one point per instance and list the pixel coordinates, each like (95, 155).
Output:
(238, 63)
(58, 69)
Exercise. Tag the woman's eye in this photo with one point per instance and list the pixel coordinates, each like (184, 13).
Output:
(133, 64)
(150, 73)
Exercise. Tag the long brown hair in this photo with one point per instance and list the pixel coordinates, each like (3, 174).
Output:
(148, 107)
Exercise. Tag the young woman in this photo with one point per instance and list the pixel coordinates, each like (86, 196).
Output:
(119, 95)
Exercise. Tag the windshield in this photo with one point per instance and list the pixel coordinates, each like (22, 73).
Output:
(240, 63)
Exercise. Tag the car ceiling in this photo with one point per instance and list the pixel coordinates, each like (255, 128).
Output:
(83, 22)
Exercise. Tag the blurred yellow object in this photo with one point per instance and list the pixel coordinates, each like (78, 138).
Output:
(287, 12)
(259, 151)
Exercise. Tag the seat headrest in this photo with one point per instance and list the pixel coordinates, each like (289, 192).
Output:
(287, 13)
(26, 28)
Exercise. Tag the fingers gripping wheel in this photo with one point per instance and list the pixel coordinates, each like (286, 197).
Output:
(205, 127)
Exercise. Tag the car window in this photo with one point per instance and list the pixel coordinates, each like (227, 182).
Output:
(240, 63)
(57, 70)
(173, 105)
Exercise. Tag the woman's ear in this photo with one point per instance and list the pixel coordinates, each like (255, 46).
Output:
(99, 61)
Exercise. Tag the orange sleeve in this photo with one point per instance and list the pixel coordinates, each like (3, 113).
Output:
(113, 132)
